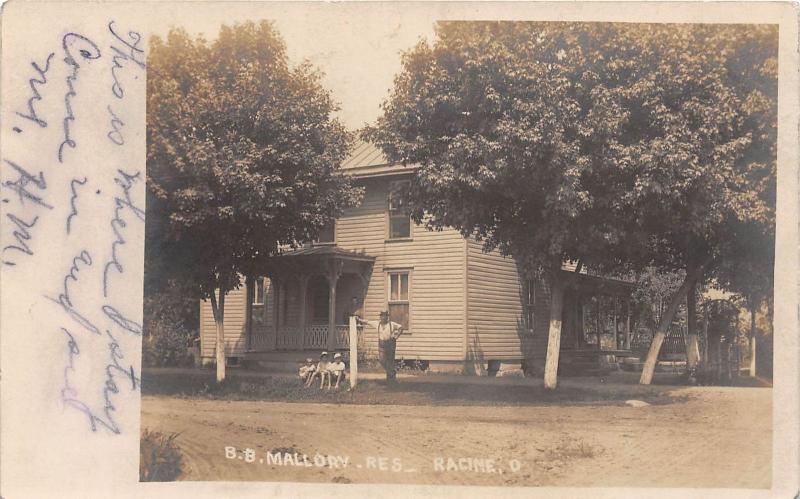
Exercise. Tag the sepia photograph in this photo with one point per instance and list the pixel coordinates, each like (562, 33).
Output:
(494, 253)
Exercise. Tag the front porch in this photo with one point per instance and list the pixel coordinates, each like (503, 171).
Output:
(313, 291)
(596, 326)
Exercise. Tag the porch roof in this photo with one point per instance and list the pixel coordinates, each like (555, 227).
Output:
(603, 283)
(318, 259)
(327, 250)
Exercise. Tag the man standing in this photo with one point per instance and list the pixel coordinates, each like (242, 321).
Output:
(388, 332)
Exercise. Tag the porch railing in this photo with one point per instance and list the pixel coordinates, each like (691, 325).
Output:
(674, 342)
(316, 336)
(288, 338)
(313, 337)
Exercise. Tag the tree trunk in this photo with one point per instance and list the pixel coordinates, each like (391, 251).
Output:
(752, 370)
(554, 333)
(250, 285)
(705, 334)
(219, 313)
(692, 345)
(663, 325)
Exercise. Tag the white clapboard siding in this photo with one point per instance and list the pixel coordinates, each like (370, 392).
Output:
(235, 338)
(436, 262)
(495, 315)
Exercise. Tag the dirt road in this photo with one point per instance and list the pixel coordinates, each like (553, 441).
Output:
(713, 437)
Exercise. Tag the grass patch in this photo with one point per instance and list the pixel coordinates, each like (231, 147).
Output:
(160, 460)
(408, 391)
(573, 448)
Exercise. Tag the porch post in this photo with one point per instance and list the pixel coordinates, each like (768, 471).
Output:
(597, 322)
(276, 293)
(248, 311)
(616, 330)
(303, 281)
(577, 319)
(627, 324)
(334, 270)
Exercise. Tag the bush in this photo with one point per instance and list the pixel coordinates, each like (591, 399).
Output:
(170, 327)
(411, 365)
(160, 460)
(166, 347)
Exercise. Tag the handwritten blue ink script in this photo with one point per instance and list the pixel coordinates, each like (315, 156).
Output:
(72, 211)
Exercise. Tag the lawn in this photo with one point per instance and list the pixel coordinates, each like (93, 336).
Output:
(413, 390)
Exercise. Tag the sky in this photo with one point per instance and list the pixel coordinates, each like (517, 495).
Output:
(356, 46)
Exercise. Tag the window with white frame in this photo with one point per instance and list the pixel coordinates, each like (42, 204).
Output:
(399, 284)
(258, 291)
(399, 216)
(530, 304)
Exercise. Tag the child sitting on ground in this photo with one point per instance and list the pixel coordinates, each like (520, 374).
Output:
(306, 370)
(321, 370)
(336, 369)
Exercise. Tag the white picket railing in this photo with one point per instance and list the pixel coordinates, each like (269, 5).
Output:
(316, 336)
(291, 337)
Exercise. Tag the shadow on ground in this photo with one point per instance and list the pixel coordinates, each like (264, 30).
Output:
(427, 390)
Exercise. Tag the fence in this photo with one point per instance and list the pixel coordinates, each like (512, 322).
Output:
(674, 342)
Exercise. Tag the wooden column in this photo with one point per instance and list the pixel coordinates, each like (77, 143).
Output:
(303, 283)
(597, 322)
(334, 271)
(248, 311)
(692, 345)
(627, 324)
(616, 330)
(276, 299)
(353, 352)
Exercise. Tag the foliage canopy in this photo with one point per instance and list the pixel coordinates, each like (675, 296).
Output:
(242, 155)
(613, 144)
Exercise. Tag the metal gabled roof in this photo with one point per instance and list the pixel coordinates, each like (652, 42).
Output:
(367, 160)
(365, 154)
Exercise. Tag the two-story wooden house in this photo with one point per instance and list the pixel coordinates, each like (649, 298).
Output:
(461, 307)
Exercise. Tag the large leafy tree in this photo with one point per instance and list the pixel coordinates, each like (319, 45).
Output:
(242, 158)
(511, 128)
(612, 145)
(748, 271)
(703, 174)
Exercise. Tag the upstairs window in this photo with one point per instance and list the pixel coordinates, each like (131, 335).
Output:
(327, 235)
(399, 216)
(399, 297)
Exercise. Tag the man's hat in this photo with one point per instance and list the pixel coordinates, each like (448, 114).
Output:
(309, 360)
(384, 312)
(337, 355)
(323, 354)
